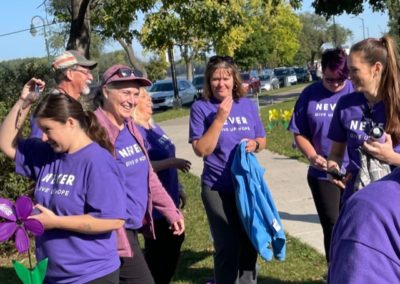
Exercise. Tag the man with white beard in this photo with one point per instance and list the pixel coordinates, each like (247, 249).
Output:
(73, 77)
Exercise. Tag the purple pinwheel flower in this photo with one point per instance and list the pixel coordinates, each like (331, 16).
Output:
(16, 221)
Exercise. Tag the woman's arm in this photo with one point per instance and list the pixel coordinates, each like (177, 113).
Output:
(336, 154)
(11, 125)
(309, 152)
(85, 224)
(207, 143)
(181, 164)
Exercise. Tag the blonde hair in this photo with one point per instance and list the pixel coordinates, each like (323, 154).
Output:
(137, 116)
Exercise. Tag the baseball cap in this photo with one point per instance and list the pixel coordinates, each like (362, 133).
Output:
(71, 58)
(121, 73)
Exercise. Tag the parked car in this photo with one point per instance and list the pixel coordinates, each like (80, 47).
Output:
(251, 83)
(162, 93)
(269, 82)
(286, 76)
(198, 82)
(302, 74)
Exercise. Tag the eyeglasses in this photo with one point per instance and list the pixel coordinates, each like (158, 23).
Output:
(332, 81)
(84, 71)
(123, 73)
(218, 58)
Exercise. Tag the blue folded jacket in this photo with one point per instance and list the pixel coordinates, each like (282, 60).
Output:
(256, 207)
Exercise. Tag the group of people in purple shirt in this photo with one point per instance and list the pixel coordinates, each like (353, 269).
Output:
(104, 176)
(332, 125)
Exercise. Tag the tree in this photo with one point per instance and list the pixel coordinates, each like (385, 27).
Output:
(355, 7)
(195, 27)
(109, 19)
(157, 67)
(274, 40)
(316, 32)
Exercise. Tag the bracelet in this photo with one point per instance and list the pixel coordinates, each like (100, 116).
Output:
(257, 145)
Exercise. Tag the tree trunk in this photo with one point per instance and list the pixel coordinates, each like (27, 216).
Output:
(79, 37)
(131, 57)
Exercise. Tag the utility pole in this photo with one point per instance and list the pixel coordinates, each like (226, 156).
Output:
(177, 100)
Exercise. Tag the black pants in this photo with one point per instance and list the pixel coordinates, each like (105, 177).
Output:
(327, 201)
(162, 254)
(111, 278)
(235, 257)
(134, 270)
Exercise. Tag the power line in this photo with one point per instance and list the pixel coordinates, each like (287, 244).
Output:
(24, 30)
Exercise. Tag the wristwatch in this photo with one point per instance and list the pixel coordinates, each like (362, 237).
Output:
(257, 145)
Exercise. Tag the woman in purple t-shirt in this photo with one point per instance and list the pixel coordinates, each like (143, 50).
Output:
(162, 254)
(218, 123)
(374, 69)
(117, 99)
(310, 124)
(78, 190)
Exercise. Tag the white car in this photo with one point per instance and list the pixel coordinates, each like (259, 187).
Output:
(162, 93)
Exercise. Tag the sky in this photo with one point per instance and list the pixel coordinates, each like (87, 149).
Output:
(17, 42)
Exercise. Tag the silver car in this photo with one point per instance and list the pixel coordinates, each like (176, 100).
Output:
(162, 93)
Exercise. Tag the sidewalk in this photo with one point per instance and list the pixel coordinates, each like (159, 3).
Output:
(285, 177)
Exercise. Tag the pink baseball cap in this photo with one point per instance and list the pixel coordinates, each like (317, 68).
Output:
(121, 73)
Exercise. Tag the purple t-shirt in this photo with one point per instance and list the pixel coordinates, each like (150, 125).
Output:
(351, 123)
(159, 147)
(366, 239)
(85, 182)
(243, 122)
(136, 171)
(312, 116)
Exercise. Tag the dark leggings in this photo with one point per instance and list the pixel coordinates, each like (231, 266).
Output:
(235, 257)
(162, 254)
(111, 278)
(327, 202)
(134, 270)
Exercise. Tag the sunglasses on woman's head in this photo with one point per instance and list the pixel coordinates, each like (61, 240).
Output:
(124, 73)
(218, 58)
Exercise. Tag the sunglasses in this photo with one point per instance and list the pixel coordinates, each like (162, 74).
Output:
(124, 73)
(218, 59)
(332, 81)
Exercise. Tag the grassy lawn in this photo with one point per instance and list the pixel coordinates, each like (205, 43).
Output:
(303, 264)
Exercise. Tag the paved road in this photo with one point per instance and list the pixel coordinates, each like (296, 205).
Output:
(285, 177)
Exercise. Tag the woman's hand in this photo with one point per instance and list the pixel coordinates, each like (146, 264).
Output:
(224, 109)
(182, 164)
(381, 151)
(319, 162)
(178, 227)
(46, 217)
(252, 145)
(332, 166)
(31, 91)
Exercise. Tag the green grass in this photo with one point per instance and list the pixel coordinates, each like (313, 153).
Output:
(303, 264)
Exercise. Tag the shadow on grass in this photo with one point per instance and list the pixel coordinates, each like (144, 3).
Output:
(8, 276)
(189, 270)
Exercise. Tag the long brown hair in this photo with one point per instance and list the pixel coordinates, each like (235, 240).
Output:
(384, 50)
(59, 107)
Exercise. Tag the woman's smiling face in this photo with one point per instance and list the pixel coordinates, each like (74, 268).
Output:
(120, 98)
(364, 76)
